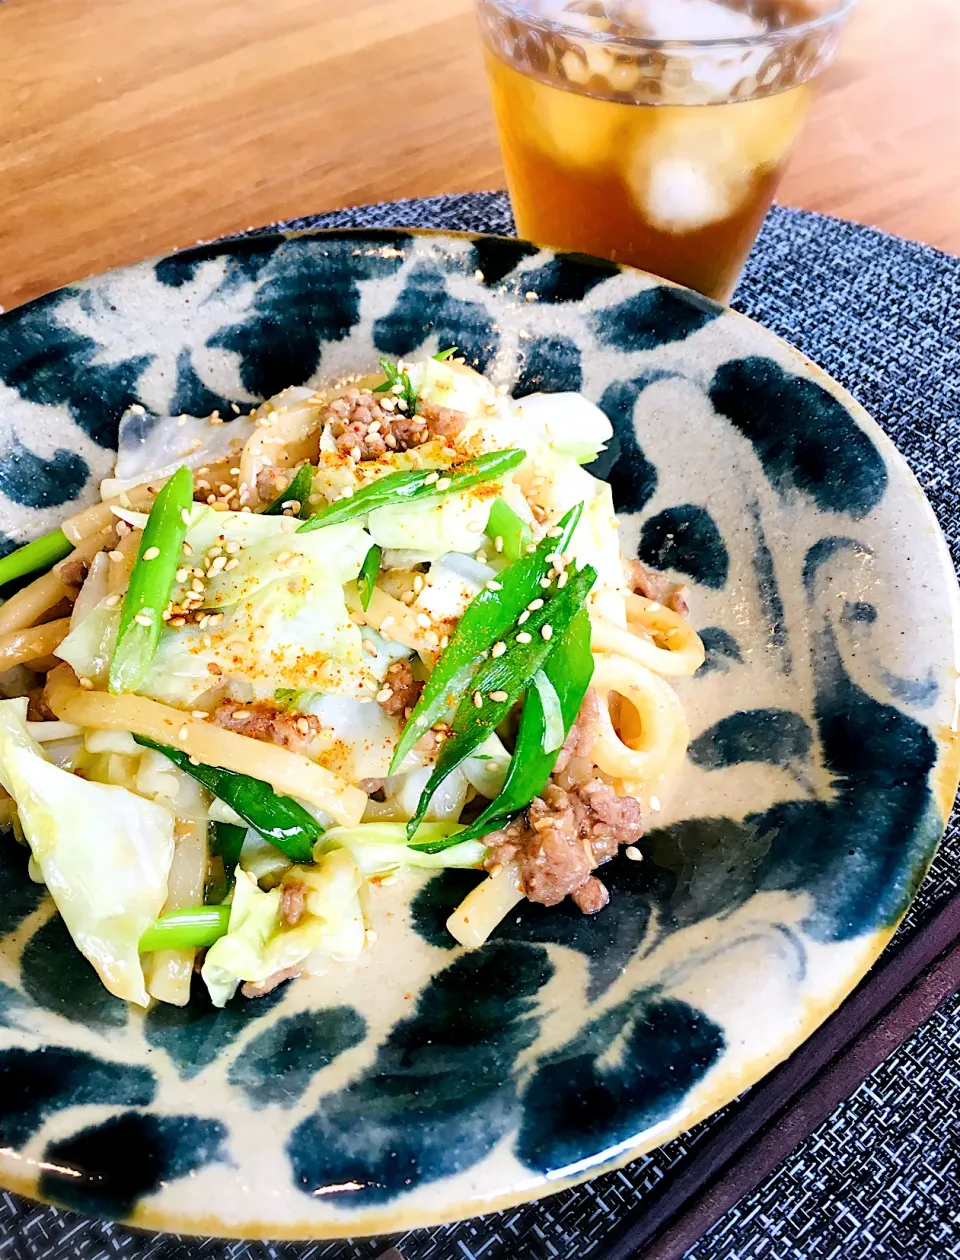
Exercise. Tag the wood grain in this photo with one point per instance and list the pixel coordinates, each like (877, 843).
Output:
(130, 127)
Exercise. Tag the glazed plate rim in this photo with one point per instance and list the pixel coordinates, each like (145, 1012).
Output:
(374, 1219)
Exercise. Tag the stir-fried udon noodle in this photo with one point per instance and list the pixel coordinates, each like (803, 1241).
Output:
(375, 628)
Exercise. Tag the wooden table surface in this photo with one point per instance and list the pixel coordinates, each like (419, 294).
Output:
(130, 127)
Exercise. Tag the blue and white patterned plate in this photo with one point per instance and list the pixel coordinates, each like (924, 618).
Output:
(425, 1083)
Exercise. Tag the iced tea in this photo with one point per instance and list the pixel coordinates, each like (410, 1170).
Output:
(652, 132)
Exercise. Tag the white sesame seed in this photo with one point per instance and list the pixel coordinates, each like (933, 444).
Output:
(554, 531)
(384, 694)
(498, 543)
(524, 616)
(431, 479)
(633, 853)
(530, 296)
(143, 619)
(200, 714)
(231, 564)
(86, 683)
(478, 699)
(185, 516)
(112, 601)
(562, 580)
(655, 803)
(151, 553)
(498, 649)
(494, 586)
(545, 582)
(444, 483)
(235, 409)
(423, 621)
(115, 556)
(498, 697)
(546, 632)
(523, 637)
(183, 732)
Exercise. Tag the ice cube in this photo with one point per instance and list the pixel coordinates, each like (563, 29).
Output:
(574, 129)
(682, 19)
(682, 195)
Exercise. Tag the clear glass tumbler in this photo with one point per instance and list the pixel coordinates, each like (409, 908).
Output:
(653, 132)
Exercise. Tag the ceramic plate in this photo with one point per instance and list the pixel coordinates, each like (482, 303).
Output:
(425, 1083)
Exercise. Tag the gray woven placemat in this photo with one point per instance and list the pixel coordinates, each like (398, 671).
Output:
(880, 1177)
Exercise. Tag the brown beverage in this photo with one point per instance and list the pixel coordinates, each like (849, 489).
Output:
(653, 132)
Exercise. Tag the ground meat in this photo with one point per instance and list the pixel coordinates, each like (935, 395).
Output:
(254, 989)
(579, 743)
(37, 708)
(591, 896)
(268, 723)
(562, 837)
(442, 422)
(271, 481)
(293, 902)
(652, 585)
(400, 690)
(370, 426)
(610, 820)
(74, 572)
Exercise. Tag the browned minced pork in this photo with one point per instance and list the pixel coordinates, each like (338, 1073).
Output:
(591, 896)
(579, 743)
(272, 480)
(562, 837)
(74, 572)
(293, 902)
(367, 426)
(254, 989)
(268, 723)
(37, 708)
(404, 690)
(655, 586)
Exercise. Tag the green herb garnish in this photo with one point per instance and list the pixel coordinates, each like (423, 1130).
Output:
(399, 384)
(398, 488)
(367, 578)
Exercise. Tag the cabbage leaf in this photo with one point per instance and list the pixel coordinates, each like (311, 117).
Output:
(104, 853)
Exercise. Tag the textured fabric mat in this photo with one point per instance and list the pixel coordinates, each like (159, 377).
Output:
(880, 1178)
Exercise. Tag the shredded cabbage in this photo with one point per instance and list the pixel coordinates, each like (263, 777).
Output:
(257, 944)
(380, 848)
(151, 446)
(103, 852)
(453, 523)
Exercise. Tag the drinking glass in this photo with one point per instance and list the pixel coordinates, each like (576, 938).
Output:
(653, 132)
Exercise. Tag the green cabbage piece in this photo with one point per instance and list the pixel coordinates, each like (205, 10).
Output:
(380, 848)
(434, 527)
(103, 852)
(257, 944)
(293, 632)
